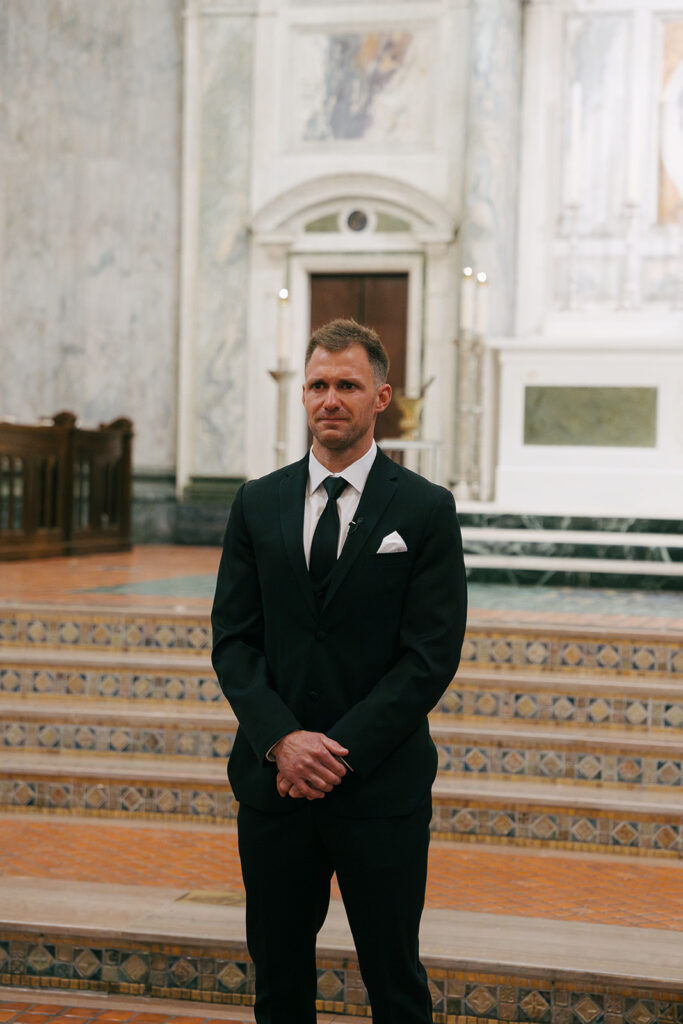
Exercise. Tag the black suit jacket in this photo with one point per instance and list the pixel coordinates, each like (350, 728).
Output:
(367, 664)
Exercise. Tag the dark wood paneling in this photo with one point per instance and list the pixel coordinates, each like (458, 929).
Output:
(381, 302)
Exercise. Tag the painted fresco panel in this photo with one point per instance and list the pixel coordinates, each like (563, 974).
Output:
(373, 87)
(670, 199)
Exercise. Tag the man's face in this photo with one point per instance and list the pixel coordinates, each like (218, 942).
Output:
(342, 400)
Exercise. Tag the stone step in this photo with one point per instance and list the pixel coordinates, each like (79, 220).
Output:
(491, 643)
(494, 749)
(577, 699)
(565, 816)
(509, 751)
(167, 943)
(608, 818)
(142, 676)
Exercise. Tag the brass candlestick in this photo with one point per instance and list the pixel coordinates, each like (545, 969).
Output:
(411, 410)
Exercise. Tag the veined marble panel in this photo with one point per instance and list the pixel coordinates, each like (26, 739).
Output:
(489, 226)
(220, 361)
(89, 213)
(597, 64)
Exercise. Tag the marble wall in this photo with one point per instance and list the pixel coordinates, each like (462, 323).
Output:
(489, 220)
(90, 101)
(220, 348)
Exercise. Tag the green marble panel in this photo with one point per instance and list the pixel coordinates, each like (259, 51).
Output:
(610, 417)
(387, 222)
(330, 222)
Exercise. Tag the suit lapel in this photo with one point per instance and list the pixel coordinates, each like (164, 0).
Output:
(292, 498)
(379, 489)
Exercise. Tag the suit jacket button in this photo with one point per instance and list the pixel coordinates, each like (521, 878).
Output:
(321, 635)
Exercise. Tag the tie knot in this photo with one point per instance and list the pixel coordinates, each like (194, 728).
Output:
(334, 485)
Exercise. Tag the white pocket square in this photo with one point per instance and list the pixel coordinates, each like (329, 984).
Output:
(392, 544)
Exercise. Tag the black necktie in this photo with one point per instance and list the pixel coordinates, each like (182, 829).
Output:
(326, 536)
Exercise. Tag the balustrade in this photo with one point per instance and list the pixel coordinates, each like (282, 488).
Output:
(64, 490)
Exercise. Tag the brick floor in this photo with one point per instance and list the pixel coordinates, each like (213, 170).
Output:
(475, 878)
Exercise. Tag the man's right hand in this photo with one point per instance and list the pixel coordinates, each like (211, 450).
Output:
(308, 762)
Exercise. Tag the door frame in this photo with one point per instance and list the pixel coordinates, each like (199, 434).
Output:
(285, 256)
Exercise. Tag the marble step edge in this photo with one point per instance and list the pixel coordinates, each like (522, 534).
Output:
(131, 713)
(146, 658)
(158, 771)
(509, 677)
(475, 956)
(479, 621)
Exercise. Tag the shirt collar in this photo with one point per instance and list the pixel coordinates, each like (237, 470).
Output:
(356, 474)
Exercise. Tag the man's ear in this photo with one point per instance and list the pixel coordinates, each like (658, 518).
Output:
(383, 397)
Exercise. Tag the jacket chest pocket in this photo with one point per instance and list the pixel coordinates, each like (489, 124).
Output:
(382, 573)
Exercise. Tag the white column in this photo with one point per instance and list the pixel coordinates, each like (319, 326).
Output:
(489, 224)
(189, 244)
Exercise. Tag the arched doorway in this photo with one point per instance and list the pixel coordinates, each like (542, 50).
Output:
(360, 245)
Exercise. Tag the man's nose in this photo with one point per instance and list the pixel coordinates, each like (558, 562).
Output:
(331, 399)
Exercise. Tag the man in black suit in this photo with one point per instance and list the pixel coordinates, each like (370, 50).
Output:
(338, 621)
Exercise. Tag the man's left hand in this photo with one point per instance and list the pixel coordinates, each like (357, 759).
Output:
(287, 788)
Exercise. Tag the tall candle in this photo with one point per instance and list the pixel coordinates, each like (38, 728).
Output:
(283, 336)
(467, 301)
(481, 312)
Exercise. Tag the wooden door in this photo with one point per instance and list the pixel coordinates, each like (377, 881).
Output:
(378, 300)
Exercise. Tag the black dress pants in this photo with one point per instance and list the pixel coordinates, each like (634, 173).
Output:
(381, 865)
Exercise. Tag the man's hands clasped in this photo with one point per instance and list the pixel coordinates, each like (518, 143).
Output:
(308, 764)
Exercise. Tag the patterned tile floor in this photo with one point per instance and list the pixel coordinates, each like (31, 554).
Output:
(184, 577)
(511, 881)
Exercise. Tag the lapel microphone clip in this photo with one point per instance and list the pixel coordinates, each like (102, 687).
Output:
(354, 524)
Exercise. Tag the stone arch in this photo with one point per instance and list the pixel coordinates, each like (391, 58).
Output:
(287, 214)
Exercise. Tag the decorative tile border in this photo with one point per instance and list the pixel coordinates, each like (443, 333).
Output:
(559, 650)
(505, 820)
(516, 822)
(505, 756)
(556, 648)
(69, 629)
(510, 758)
(509, 700)
(109, 681)
(19, 732)
(201, 802)
(225, 976)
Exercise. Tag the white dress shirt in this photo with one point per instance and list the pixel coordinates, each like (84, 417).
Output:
(355, 475)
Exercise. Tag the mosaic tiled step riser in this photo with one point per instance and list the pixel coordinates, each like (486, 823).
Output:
(105, 630)
(99, 795)
(110, 681)
(569, 703)
(21, 733)
(508, 757)
(504, 821)
(225, 977)
(562, 763)
(512, 823)
(552, 648)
